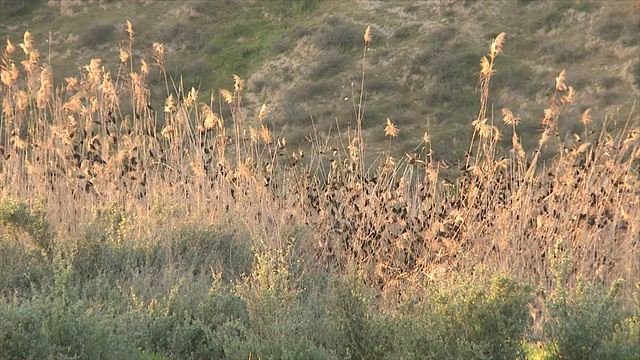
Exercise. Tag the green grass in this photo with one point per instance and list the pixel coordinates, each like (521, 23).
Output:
(435, 64)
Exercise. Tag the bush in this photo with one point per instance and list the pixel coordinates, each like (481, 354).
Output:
(587, 322)
(626, 339)
(363, 334)
(339, 35)
(97, 34)
(13, 7)
(195, 325)
(475, 322)
(45, 328)
(21, 333)
(329, 63)
(282, 325)
(20, 217)
(22, 268)
(584, 323)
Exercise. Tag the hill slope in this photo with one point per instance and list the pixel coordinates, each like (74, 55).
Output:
(303, 58)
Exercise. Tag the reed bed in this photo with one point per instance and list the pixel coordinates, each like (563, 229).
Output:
(401, 222)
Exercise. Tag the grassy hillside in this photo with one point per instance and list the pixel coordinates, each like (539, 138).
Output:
(150, 215)
(301, 58)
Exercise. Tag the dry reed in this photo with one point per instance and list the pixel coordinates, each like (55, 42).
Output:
(398, 222)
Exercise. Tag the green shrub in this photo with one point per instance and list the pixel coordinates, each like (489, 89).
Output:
(329, 63)
(20, 217)
(97, 34)
(189, 323)
(339, 35)
(626, 339)
(16, 8)
(45, 328)
(195, 250)
(22, 267)
(286, 322)
(21, 333)
(584, 323)
(587, 322)
(363, 334)
(474, 322)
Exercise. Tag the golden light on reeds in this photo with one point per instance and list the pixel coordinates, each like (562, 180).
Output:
(169, 105)
(631, 138)
(265, 134)
(9, 75)
(74, 104)
(209, 122)
(253, 134)
(211, 119)
(508, 118)
(179, 162)
(72, 83)
(144, 67)
(353, 149)
(390, 129)
(431, 175)
(238, 83)
(263, 112)
(543, 138)
(486, 68)
(158, 48)
(166, 131)
(367, 36)
(31, 63)
(124, 56)
(158, 53)
(22, 100)
(568, 97)
(10, 48)
(226, 95)
(26, 45)
(191, 98)
(130, 30)
(45, 87)
(496, 45)
(550, 114)
(519, 150)
(7, 106)
(94, 71)
(586, 117)
(560, 85)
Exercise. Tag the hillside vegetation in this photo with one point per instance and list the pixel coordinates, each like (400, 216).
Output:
(301, 58)
(144, 217)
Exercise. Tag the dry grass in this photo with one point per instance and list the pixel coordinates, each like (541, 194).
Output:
(96, 142)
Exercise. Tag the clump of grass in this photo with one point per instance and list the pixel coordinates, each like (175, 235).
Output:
(338, 35)
(97, 34)
(584, 322)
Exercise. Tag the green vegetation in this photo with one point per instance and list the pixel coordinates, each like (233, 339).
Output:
(300, 57)
(142, 218)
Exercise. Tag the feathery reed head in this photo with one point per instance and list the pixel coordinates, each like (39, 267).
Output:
(560, 85)
(496, 45)
(238, 83)
(390, 129)
(227, 96)
(130, 30)
(367, 36)
(263, 112)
